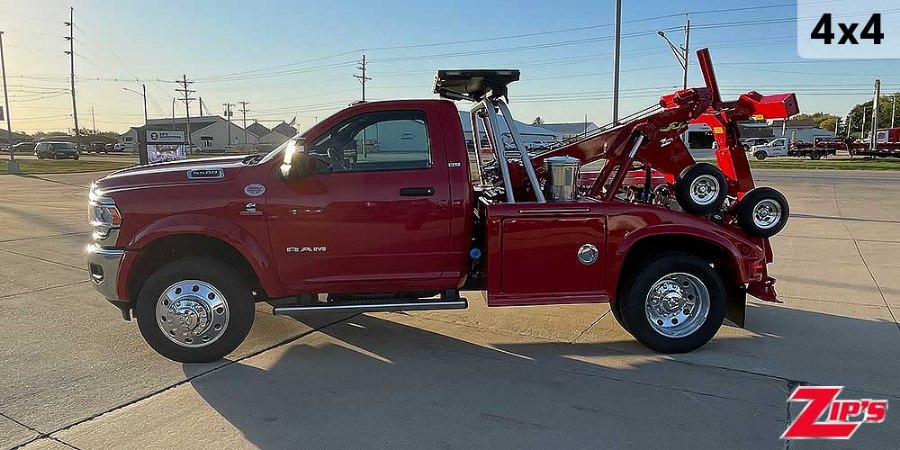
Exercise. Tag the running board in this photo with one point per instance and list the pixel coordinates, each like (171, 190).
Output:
(306, 310)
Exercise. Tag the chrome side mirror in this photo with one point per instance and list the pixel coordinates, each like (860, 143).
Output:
(296, 163)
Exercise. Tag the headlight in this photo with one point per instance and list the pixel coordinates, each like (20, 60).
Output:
(102, 214)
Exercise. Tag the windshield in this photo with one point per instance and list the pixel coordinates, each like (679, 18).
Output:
(61, 146)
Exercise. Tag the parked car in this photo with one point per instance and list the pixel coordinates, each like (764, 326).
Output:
(23, 147)
(97, 147)
(750, 142)
(56, 150)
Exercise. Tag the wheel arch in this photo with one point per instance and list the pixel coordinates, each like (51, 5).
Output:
(176, 237)
(723, 254)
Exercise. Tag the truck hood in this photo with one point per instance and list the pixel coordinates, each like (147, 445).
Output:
(208, 170)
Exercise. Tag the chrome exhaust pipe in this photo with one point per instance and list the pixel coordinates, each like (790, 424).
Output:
(306, 310)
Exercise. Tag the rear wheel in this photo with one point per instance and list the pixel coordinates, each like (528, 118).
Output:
(815, 156)
(701, 188)
(674, 303)
(195, 310)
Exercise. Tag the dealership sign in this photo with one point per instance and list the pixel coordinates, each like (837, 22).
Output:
(825, 416)
(165, 137)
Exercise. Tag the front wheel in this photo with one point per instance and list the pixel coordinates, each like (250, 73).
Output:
(761, 156)
(674, 303)
(815, 156)
(195, 310)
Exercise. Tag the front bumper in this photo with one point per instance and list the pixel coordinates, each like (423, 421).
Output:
(103, 266)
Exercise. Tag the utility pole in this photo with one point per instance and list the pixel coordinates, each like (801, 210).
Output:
(173, 114)
(244, 111)
(862, 131)
(875, 108)
(228, 118)
(187, 107)
(893, 108)
(849, 125)
(362, 78)
(12, 166)
(616, 56)
(71, 53)
(93, 120)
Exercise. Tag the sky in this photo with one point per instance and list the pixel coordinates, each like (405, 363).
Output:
(297, 58)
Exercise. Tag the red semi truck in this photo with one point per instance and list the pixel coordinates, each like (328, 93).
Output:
(323, 226)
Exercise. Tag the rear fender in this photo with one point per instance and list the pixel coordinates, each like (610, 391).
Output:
(253, 251)
(735, 285)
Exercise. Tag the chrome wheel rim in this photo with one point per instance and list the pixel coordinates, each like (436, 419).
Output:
(677, 305)
(704, 190)
(192, 313)
(766, 214)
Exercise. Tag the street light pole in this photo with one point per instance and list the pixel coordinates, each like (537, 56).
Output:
(142, 94)
(681, 53)
(616, 56)
(12, 166)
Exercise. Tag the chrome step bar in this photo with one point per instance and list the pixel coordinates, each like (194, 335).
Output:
(306, 310)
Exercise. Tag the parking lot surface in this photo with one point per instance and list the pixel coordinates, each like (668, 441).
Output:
(75, 375)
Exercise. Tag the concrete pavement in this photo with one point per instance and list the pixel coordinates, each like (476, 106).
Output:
(538, 377)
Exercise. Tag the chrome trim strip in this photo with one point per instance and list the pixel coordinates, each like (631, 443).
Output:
(555, 211)
(290, 310)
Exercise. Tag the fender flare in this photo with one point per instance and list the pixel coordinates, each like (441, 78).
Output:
(255, 253)
(670, 231)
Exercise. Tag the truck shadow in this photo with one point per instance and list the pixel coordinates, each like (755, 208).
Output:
(372, 381)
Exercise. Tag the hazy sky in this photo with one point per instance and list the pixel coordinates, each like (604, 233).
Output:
(297, 58)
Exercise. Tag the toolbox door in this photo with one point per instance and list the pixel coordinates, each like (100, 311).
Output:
(544, 255)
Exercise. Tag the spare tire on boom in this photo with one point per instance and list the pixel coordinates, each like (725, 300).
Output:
(701, 188)
(763, 212)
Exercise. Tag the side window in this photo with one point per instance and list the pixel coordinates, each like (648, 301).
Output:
(386, 140)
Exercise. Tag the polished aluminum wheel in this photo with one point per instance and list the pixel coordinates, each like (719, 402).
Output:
(704, 190)
(766, 214)
(677, 305)
(192, 313)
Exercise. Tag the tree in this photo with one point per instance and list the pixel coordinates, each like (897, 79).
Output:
(884, 114)
(822, 120)
(537, 121)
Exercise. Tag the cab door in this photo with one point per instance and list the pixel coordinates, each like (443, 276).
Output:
(375, 212)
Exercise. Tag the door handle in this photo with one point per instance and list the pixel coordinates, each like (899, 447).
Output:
(417, 191)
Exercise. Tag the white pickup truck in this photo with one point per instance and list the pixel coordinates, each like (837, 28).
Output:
(775, 147)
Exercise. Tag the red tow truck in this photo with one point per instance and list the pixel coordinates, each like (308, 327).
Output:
(322, 225)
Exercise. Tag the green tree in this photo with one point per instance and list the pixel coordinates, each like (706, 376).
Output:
(884, 114)
(822, 120)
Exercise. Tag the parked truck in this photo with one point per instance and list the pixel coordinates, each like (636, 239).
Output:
(188, 247)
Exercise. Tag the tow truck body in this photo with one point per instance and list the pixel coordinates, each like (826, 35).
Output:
(312, 231)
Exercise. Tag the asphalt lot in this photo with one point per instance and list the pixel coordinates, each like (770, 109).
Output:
(77, 376)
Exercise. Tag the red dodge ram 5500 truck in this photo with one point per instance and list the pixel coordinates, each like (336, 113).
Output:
(378, 209)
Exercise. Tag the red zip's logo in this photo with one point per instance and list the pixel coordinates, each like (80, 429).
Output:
(826, 417)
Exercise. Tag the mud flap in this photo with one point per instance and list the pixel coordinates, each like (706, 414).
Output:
(736, 308)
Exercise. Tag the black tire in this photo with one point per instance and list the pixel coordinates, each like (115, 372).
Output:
(633, 302)
(815, 156)
(75, 157)
(763, 197)
(617, 314)
(237, 296)
(760, 155)
(701, 188)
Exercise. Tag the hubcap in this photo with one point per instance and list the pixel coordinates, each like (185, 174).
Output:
(677, 305)
(192, 313)
(704, 190)
(766, 214)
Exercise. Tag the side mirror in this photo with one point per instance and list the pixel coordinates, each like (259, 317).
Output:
(296, 163)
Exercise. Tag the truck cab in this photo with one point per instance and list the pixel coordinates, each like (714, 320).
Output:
(380, 208)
